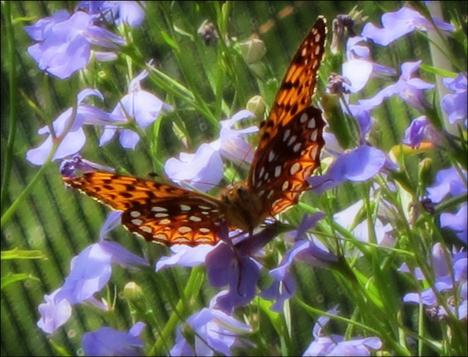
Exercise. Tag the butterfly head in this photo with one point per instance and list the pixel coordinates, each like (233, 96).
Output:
(244, 207)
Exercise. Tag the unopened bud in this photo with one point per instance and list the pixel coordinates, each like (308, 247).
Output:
(133, 292)
(257, 105)
(252, 50)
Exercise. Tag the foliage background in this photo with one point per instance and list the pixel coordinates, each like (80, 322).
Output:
(61, 223)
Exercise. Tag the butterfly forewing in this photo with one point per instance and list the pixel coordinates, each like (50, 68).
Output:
(298, 84)
(291, 139)
(158, 212)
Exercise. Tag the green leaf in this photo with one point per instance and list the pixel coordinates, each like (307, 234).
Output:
(12, 278)
(22, 254)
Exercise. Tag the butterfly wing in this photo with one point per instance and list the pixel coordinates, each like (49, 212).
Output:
(159, 212)
(292, 157)
(291, 138)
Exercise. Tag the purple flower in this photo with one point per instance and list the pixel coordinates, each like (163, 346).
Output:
(65, 42)
(67, 131)
(138, 105)
(129, 12)
(450, 181)
(443, 282)
(447, 181)
(381, 232)
(109, 342)
(204, 169)
(455, 104)
(420, 129)
(312, 252)
(53, 314)
(231, 144)
(335, 345)
(240, 273)
(89, 273)
(357, 166)
(364, 120)
(359, 67)
(234, 266)
(397, 24)
(185, 256)
(215, 331)
(409, 89)
(332, 146)
(456, 222)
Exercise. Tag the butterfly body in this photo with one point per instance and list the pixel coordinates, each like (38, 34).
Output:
(244, 209)
(288, 152)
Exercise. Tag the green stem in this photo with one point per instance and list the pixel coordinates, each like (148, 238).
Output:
(13, 103)
(191, 290)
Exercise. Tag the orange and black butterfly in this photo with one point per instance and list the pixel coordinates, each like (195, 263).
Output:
(288, 153)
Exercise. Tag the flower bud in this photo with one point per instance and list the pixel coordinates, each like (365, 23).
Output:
(252, 50)
(257, 105)
(133, 292)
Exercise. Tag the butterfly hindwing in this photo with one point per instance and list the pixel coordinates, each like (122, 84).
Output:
(280, 177)
(191, 221)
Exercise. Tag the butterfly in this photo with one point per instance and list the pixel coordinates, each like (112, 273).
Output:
(288, 152)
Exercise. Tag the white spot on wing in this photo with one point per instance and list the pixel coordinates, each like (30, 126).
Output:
(317, 50)
(158, 209)
(262, 171)
(184, 229)
(313, 152)
(164, 221)
(277, 171)
(160, 236)
(271, 156)
(292, 140)
(135, 214)
(295, 168)
(136, 222)
(161, 215)
(313, 135)
(146, 229)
